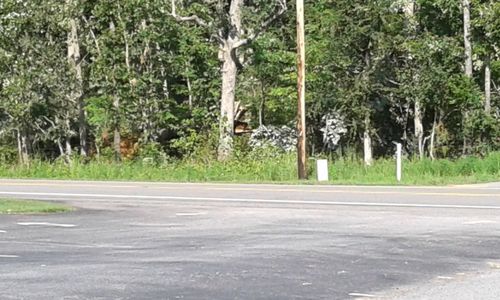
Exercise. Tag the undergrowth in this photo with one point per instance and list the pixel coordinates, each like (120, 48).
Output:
(255, 168)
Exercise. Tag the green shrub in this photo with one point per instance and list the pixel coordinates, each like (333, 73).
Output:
(8, 155)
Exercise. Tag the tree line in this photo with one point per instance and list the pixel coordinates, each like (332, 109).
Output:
(92, 77)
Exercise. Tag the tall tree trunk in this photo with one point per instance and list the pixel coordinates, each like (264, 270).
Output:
(67, 138)
(262, 105)
(82, 128)
(229, 73)
(116, 104)
(367, 142)
(22, 145)
(487, 84)
(74, 58)
(419, 128)
(19, 148)
(467, 41)
(116, 134)
(418, 115)
(468, 62)
(190, 88)
(433, 137)
(61, 148)
(230, 36)
(69, 151)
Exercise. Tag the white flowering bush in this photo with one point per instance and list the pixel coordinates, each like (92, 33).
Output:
(283, 138)
(333, 130)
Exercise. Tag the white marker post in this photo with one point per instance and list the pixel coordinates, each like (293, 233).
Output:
(398, 162)
(322, 169)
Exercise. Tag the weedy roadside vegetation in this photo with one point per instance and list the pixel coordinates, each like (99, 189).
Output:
(261, 166)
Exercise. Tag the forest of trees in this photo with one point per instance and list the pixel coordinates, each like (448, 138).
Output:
(90, 78)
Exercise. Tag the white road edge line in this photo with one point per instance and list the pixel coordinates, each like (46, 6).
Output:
(3, 231)
(248, 184)
(249, 200)
(45, 224)
(9, 256)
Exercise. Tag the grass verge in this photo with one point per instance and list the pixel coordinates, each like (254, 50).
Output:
(14, 206)
(280, 169)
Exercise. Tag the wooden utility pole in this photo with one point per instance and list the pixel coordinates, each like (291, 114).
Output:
(301, 82)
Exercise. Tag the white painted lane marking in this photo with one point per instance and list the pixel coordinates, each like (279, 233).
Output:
(3, 231)
(156, 225)
(480, 222)
(8, 256)
(190, 214)
(249, 200)
(46, 224)
(362, 295)
(344, 191)
(445, 277)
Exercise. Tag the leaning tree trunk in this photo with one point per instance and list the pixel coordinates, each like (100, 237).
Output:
(367, 142)
(487, 85)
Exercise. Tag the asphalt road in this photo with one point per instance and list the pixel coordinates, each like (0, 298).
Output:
(209, 241)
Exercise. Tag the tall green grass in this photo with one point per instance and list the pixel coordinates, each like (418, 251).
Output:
(279, 169)
(14, 206)
(415, 172)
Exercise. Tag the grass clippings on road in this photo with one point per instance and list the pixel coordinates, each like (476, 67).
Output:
(14, 206)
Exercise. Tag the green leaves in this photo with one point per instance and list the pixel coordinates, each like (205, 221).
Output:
(362, 57)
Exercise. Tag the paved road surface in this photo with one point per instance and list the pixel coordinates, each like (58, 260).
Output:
(213, 241)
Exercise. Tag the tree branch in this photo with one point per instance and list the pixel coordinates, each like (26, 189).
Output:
(92, 34)
(192, 18)
(282, 9)
(495, 86)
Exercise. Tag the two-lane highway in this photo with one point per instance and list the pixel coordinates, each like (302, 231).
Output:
(136, 240)
(475, 196)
